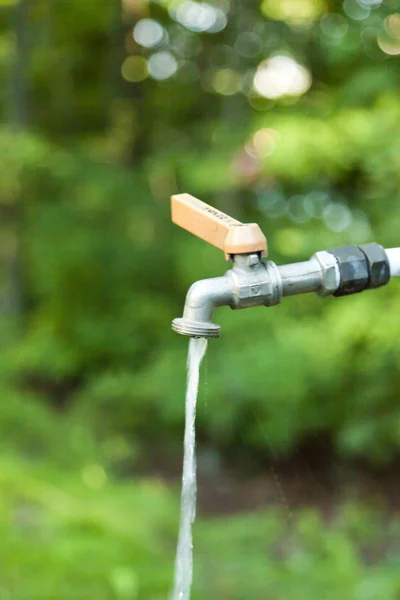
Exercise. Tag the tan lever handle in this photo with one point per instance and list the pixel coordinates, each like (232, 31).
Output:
(217, 228)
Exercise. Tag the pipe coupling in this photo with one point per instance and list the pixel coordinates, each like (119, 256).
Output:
(361, 268)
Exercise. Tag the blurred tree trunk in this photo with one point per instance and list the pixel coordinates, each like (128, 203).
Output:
(18, 105)
(126, 113)
(18, 118)
(235, 108)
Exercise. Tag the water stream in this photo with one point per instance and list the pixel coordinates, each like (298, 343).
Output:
(184, 553)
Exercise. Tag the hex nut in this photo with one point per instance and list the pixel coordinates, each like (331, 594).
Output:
(353, 267)
(378, 265)
(330, 273)
(253, 259)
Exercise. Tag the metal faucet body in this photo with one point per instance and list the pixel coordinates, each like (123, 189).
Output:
(254, 282)
(251, 282)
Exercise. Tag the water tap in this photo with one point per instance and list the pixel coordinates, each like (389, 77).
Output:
(254, 281)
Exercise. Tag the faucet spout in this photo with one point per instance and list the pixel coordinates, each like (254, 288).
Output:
(250, 282)
(202, 297)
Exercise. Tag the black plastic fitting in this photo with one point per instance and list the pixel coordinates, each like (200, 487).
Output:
(353, 267)
(378, 265)
(361, 268)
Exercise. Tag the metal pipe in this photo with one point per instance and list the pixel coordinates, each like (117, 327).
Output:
(393, 255)
(300, 278)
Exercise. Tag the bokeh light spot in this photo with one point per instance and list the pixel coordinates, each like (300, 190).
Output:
(337, 217)
(281, 76)
(392, 25)
(334, 26)
(248, 44)
(134, 69)
(294, 11)
(162, 65)
(200, 16)
(272, 203)
(148, 33)
(219, 23)
(185, 43)
(226, 82)
(296, 209)
(369, 3)
(263, 143)
(315, 203)
(388, 44)
(361, 230)
(355, 11)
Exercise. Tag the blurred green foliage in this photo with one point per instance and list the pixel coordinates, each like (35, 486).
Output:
(85, 536)
(93, 271)
(98, 130)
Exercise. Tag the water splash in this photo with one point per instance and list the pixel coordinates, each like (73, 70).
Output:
(184, 554)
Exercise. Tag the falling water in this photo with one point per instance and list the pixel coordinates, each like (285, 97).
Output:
(184, 554)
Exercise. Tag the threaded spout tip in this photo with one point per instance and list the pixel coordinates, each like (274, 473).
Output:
(195, 328)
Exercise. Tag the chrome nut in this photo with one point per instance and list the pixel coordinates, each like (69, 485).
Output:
(330, 273)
